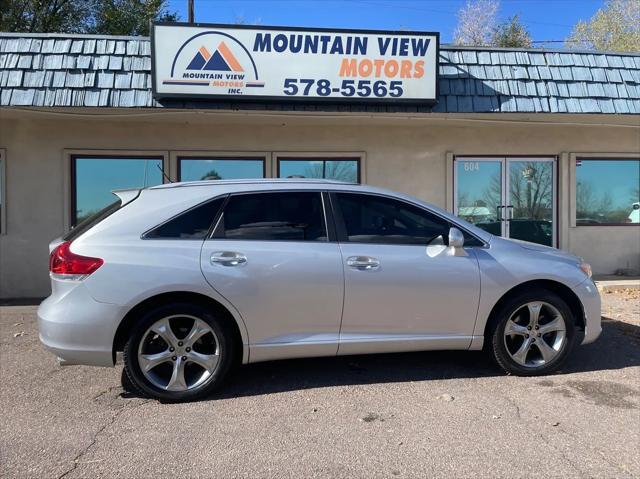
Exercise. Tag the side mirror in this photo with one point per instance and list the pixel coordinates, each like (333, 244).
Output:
(456, 242)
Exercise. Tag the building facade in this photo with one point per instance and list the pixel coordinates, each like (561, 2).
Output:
(537, 145)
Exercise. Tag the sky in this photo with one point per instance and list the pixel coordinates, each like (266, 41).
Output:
(546, 19)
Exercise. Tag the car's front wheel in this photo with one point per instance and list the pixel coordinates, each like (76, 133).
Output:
(178, 352)
(532, 333)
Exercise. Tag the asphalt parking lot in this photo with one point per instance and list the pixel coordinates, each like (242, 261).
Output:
(403, 415)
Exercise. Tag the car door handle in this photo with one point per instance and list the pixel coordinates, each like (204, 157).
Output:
(228, 258)
(363, 263)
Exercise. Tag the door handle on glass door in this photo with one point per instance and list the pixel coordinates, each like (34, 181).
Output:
(228, 258)
(363, 263)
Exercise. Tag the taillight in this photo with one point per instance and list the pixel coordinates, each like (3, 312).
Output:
(70, 265)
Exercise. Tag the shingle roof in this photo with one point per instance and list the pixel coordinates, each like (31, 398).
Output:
(95, 71)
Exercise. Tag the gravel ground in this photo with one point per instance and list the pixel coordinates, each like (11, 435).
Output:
(445, 414)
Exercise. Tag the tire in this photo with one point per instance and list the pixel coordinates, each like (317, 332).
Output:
(525, 347)
(186, 362)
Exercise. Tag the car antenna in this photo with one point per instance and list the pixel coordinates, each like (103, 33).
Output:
(166, 177)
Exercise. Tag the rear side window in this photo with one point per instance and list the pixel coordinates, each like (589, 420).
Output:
(91, 221)
(192, 224)
(294, 216)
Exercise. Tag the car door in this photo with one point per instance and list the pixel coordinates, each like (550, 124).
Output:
(270, 256)
(404, 290)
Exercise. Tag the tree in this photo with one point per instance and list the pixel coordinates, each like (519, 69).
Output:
(110, 17)
(616, 27)
(511, 34)
(211, 175)
(129, 17)
(43, 16)
(477, 22)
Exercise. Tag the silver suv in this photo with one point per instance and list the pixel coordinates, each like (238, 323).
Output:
(188, 279)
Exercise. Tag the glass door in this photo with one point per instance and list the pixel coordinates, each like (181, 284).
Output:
(510, 197)
(530, 207)
(479, 193)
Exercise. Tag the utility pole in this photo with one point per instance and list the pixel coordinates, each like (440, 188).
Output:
(190, 14)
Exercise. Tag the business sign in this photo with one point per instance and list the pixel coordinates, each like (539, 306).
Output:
(272, 63)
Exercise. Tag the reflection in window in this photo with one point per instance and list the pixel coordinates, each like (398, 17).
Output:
(95, 178)
(607, 192)
(343, 169)
(203, 168)
(479, 193)
(376, 219)
(294, 216)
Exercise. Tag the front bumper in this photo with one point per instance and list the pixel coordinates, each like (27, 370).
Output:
(77, 328)
(589, 296)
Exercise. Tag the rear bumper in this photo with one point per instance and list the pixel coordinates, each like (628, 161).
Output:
(588, 294)
(77, 328)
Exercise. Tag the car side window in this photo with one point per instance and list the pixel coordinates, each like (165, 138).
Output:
(378, 219)
(191, 224)
(277, 216)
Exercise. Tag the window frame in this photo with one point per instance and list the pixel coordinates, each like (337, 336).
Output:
(358, 156)
(74, 156)
(3, 191)
(341, 229)
(178, 156)
(574, 181)
(327, 216)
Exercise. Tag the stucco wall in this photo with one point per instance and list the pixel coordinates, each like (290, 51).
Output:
(406, 154)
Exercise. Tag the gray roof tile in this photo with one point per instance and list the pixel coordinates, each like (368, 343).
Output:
(59, 79)
(76, 46)
(105, 79)
(89, 46)
(47, 45)
(614, 76)
(5, 96)
(123, 80)
(23, 96)
(36, 45)
(115, 63)
(75, 79)
(33, 79)
(484, 58)
(62, 46)
(14, 78)
(24, 62)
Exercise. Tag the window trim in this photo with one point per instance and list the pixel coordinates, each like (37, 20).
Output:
(358, 156)
(3, 191)
(73, 157)
(326, 216)
(68, 158)
(177, 156)
(573, 173)
(341, 230)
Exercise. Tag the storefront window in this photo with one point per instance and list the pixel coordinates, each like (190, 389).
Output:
(94, 177)
(343, 169)
(208, 168)
(607, 192)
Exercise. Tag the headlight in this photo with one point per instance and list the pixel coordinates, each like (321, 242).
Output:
(586, 268)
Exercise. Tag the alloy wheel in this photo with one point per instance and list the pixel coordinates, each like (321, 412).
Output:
(535, 334)
(179, 353)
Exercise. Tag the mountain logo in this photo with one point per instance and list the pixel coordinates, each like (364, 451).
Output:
(221, 60)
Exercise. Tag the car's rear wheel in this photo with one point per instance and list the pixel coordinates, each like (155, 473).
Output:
(178, 352)
(532, 333)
